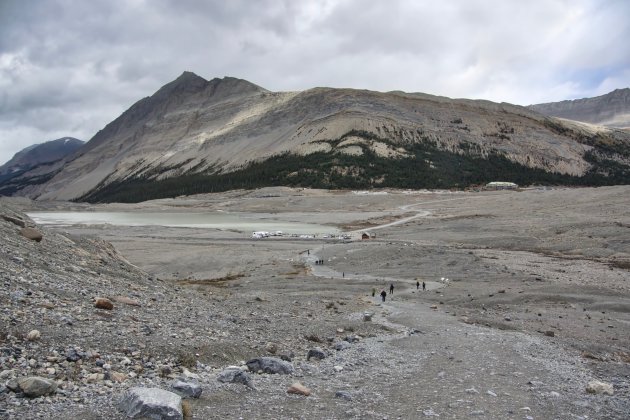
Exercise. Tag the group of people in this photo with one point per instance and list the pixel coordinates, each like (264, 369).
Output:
(391, 290)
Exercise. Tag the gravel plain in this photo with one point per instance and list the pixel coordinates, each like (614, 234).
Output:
(536, 307)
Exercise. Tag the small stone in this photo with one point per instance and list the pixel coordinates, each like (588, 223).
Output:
(342, 345)
(271, 347)
(472, 391)
(117, 377)
(299, 389)
(32, 234)
(367, 316)
(316, 353)
(343, 395)
(104, 303)
(491, 393)
(550, 333)
(598, 387)
(477, 413)
(33, 335)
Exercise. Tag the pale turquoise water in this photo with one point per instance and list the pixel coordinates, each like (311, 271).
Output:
(240, 222)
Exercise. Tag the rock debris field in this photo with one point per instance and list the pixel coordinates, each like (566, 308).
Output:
(120, 322)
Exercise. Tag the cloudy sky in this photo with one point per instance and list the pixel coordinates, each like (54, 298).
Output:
(68, 67)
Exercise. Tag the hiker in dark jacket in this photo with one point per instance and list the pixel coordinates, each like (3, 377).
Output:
(383, 294)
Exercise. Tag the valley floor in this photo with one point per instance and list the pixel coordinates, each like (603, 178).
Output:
(537, 306)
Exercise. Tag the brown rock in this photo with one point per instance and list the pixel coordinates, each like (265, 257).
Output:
(32, 234)
(103, 303)
(299, 389)
(118, 377)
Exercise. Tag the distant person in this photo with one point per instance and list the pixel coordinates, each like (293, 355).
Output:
(424, 287)
(417, 285)
(373, 291)
(343, 274)
(391, 289)
(383, 294)
(308, 252)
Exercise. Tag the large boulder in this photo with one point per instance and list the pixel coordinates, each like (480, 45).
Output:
(34, 386)
(186, 389)
(32, 234)
(151, 403)
(270, 365)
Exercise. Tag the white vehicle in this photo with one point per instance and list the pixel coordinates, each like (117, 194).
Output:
(276, 233)
(260, 235)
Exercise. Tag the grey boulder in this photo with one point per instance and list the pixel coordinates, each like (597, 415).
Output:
(186, 389)
(235, 376)
(316, 353)
(34, 386)
(271, 365)
(152, 403)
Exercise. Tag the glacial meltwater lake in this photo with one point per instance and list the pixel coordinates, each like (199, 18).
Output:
(225, 221)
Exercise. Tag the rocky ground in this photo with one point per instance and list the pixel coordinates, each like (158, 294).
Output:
(537, 307)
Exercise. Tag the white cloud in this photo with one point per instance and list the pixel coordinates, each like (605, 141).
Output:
(68, 67)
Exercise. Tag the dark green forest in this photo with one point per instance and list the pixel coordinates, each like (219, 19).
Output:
(425, 167)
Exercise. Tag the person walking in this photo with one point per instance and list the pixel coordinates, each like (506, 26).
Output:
(391, 289)
(373, 291)
(383, 294)
(417, 285)
(424, 287)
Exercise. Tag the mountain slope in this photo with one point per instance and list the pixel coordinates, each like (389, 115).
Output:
(610, 110)
(195, 135)
(33, 158)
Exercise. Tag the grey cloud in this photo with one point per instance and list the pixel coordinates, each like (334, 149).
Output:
(82, 63)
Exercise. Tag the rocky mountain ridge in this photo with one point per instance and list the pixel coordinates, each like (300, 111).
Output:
(41, 156)
(197, 128)
(610, 110)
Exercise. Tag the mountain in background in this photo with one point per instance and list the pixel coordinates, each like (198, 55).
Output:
(609, 110)
(37, 157)
(195, 136)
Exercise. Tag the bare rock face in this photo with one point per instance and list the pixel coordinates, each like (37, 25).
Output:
(152, 403)
(32, 234)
